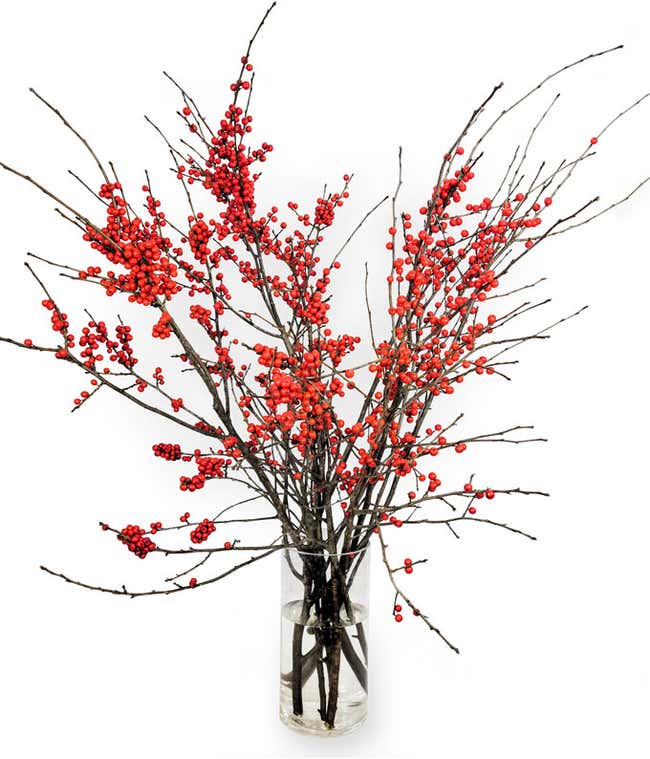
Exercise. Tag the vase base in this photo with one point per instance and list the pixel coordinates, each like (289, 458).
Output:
(306, 726)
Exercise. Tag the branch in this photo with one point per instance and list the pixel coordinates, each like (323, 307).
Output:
(407, 600)
(74, 131)
(469, 519)
(162, 592)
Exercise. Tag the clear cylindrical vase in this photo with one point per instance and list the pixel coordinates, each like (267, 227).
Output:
(324, 657)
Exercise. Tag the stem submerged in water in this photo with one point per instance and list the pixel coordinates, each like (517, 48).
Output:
(296, 679)
(333, 670)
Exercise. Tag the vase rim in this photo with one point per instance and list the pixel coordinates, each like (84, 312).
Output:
(304, 551)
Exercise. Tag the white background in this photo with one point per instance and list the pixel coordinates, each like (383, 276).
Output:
(553, 634)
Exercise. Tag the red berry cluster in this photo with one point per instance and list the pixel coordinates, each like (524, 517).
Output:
(202, 531)
(91, 271)
(169, 451)
(324, 214)
(137, 246)
(136, 541)
(162, 328)
(95, 335)
(209, 468)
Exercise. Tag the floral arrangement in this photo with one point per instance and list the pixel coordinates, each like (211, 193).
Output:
(242, 298)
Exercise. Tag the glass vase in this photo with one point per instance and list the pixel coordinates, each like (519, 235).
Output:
(324, 650)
